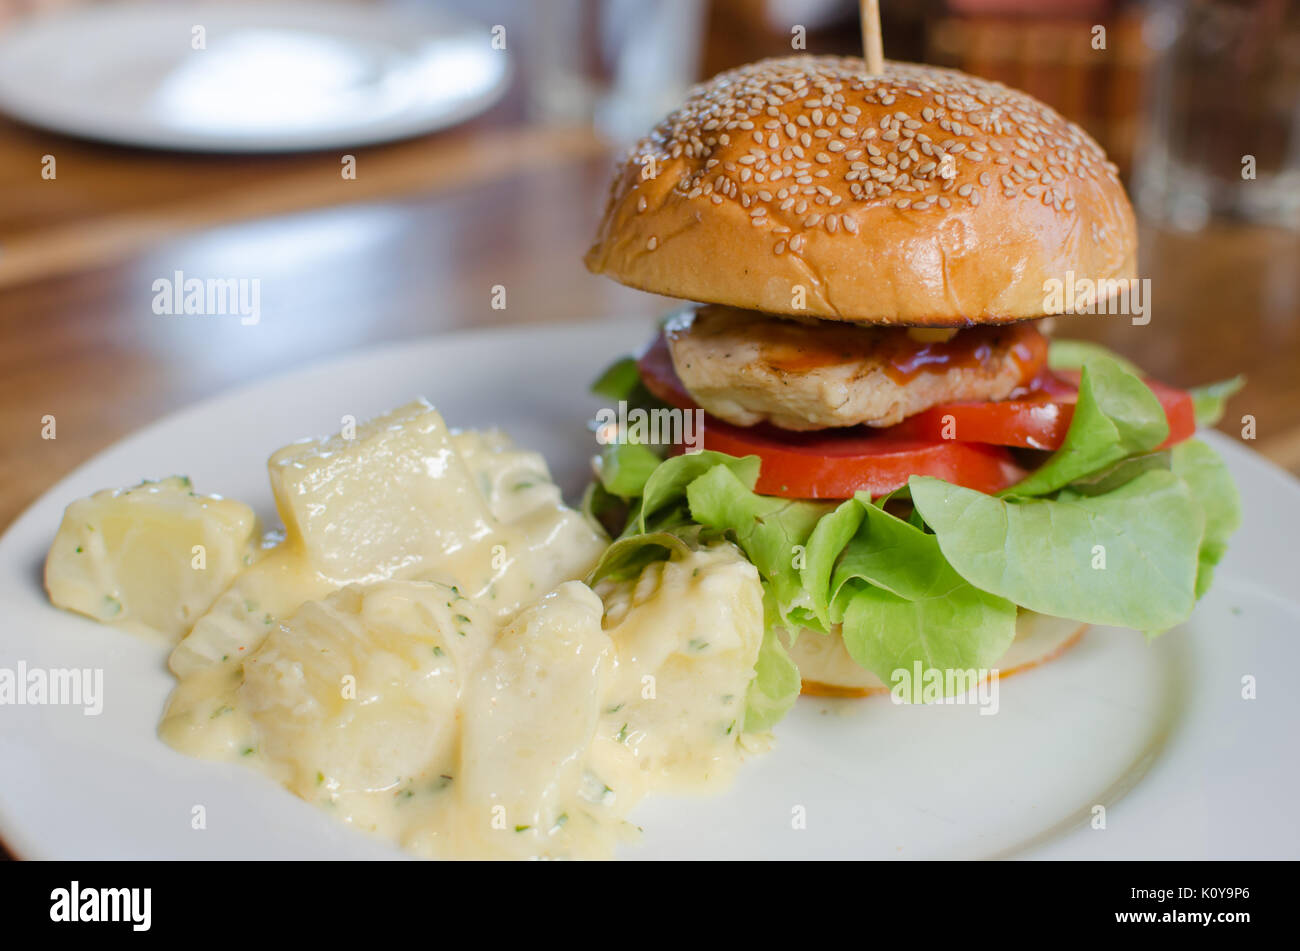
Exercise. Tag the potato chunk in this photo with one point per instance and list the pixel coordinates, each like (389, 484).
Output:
(153, 557)
(695, 625)
(358, 693)
(530, 715)
(392, 501)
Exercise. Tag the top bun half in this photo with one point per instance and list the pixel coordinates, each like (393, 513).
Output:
(922, 197)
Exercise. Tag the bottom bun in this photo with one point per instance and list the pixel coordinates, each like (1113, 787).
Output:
(828, 670)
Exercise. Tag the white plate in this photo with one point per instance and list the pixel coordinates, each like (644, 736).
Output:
(1157, 733)
(270, 77)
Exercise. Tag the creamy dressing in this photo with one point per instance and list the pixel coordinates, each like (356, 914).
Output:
(459, 737)
(414, 653)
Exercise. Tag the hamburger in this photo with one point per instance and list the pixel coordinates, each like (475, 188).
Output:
(927, 483)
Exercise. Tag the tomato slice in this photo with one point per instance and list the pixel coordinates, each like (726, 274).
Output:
(1037, 418)
(833, 464)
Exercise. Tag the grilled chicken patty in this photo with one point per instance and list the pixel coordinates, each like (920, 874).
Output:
(746, 368)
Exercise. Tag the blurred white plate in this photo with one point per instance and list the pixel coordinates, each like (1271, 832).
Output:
(1158, 733)
(270, 77)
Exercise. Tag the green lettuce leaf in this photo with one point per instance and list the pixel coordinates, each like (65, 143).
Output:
(603, 511)
(1040, 553)
(1205, 474)
(619, 381)
(952, 628)
(1073, 354)
(767, 530)
(775, 686)
(1116, 416)
(901, 603)
(825, 544)
(1113, 476)
(627, 556)
(1209, 401)
(668, 483)
(893, 554)
(623, 468)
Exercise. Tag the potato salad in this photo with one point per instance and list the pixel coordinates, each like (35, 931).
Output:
(423, 649)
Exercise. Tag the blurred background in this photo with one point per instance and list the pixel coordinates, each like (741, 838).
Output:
(381, 167)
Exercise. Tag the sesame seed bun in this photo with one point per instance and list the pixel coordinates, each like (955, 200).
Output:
(924, 197)
(828, 670)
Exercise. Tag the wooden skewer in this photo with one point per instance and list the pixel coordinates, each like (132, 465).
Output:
(872, 47)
